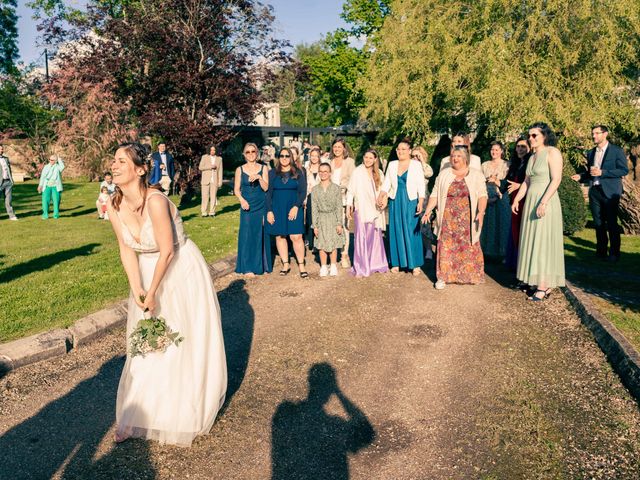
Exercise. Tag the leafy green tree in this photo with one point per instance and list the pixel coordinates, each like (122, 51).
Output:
(501, 64)
(8, 36)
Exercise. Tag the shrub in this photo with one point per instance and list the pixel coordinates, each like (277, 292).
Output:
(574, 209)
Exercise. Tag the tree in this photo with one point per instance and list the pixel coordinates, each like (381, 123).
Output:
(8, 36)
(186, 78)
(94, 123)
(499, 64)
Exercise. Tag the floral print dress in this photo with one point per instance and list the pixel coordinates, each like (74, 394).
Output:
(458, 260)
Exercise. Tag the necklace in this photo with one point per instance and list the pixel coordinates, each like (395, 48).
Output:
(134, 211)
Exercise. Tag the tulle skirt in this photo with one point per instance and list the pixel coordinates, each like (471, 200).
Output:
(175, 395)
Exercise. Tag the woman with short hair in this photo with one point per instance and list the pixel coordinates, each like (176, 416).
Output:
(460, 196)
(250, 184)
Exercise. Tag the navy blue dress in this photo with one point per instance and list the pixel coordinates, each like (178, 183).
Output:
(405, 239)
(254, 245)
(284, 193)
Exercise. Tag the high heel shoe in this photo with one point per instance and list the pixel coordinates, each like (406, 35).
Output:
(304, 274)
(285, 271)
(545, 294)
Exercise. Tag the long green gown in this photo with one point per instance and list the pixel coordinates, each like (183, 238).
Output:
(541, 258)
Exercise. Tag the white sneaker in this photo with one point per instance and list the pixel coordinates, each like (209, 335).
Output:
(333, 271)
(324, 271)
(13, 218)
(440, 285)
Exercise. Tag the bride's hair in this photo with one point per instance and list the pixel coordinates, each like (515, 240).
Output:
(138, 154)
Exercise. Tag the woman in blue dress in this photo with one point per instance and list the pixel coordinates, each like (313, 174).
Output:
(285, 199)
(404, 188)
(250, 186)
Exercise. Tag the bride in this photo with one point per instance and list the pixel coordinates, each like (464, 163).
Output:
(175, 395)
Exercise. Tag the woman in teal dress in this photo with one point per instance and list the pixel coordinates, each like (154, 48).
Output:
(405, 189)
(541, 258)
(254, 244)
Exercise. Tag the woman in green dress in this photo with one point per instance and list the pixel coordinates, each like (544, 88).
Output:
(541, 259)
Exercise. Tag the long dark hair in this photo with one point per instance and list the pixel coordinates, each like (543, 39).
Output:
(137, 153)
(548, 134)
(499, 144)
(292, 164)
(518, 165)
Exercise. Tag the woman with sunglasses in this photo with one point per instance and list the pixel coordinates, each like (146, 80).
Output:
(404, 188)
(286, 195)
(515, 177)
(254, 244)
(541, 258)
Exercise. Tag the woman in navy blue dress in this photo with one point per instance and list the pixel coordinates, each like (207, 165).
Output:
(254, 246)
(285, 199)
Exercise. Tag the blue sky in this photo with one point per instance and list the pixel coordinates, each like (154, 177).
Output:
(301, 21)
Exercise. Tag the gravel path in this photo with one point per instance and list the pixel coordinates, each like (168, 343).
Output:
(379, 378)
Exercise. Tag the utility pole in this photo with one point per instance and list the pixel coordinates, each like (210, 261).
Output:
(46, 64)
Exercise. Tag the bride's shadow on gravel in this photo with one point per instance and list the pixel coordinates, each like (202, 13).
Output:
(238, 320)
(63, 437)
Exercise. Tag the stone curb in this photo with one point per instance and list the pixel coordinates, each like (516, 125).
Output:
(54, 343)
(621, 354)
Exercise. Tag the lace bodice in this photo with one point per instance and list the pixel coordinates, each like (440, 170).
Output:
(147, 243)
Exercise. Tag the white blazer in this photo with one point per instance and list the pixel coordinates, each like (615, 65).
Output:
(415, 180)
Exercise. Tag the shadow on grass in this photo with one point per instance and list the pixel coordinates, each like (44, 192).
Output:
(65, 434)
(86, 211)
(238, 320)
(307, 442)
(45, 262)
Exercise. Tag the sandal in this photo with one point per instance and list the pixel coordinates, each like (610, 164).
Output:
(545, 294)
(304, 274)
(284, 271)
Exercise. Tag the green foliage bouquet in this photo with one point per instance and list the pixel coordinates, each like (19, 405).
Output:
(152, 335)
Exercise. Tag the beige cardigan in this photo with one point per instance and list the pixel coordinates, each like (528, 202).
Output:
(348, 166)
(477, 189)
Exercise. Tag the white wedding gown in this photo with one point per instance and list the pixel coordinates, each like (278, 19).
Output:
(174, 396)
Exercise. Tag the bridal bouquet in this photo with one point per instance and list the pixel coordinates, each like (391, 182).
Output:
(153, 335)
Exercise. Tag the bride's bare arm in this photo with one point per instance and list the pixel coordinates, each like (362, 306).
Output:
(160, 212)
(127, 256)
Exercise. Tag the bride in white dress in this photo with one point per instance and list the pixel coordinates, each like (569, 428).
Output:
(175, 395)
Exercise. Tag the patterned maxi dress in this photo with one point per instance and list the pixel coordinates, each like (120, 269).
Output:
(458, 260)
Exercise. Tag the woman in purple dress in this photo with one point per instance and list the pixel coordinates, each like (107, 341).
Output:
(369, 222)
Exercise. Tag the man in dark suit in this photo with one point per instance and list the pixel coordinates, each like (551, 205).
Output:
(163, 170)
(607, 164)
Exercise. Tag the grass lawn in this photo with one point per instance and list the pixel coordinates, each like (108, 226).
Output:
(53, 272)
(614, 288)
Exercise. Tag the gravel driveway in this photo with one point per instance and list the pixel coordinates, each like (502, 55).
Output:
(378, 378)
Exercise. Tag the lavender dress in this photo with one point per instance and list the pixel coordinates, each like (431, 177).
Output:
(368, 251)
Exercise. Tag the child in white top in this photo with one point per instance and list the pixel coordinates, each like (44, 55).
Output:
(101, 203)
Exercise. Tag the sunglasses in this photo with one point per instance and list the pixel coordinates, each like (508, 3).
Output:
(284, 156)
(251, 151)
(461, 147)
(533, 135)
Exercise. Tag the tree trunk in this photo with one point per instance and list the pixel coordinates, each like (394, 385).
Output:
(630, 207)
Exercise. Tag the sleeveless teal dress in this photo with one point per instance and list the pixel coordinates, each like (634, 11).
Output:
(541, 257)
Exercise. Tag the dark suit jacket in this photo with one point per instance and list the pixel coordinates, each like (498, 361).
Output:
(156, 173)
(614, 167)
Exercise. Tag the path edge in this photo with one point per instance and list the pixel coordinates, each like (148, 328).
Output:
(61, 341)
(622, 356)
